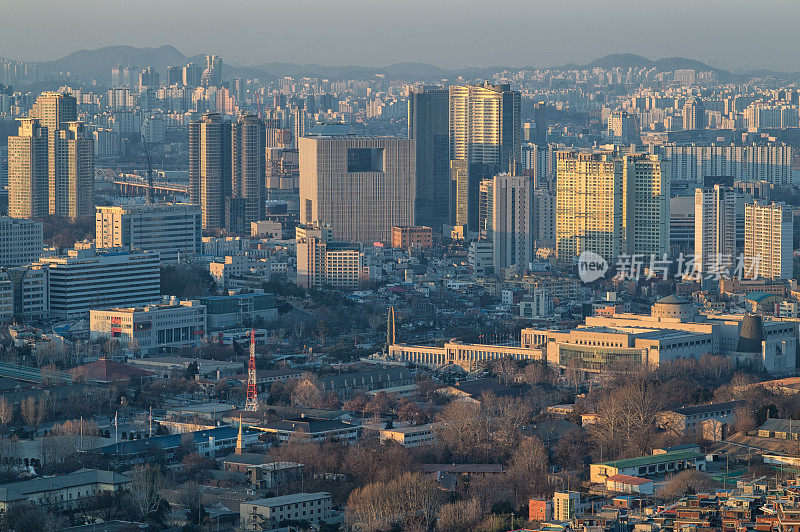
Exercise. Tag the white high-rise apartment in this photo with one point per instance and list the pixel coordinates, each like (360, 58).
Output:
(20, 241)
(768, 240)
(687, 165)
(714, 227)
(360, 186)
(512, 221)
(588, 204)
(174, 230)
(645, 204)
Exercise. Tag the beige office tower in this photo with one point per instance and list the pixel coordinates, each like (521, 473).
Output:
(588, 205)
(71, 171)
(768, 240)
(714, 227)
(485, 140)
(210, 167)
(645, 204)
(53, 109)
(27, 171)
(248, 174)
(512, 221)
(360, 186)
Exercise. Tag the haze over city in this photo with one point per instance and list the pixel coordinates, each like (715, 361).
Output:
(389, 266)
(733, 33)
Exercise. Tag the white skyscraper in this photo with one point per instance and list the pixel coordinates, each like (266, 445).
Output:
(714, 227)
(645, 204)
(512, 220)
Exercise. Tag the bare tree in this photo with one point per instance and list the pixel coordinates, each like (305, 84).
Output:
(459, 515)
(409, 501)
(306, 394)
(146, 485)
(32, 412)
(10, 452)
(29, 517)
(6, 411)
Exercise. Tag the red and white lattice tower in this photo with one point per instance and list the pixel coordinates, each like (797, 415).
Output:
(251, 404)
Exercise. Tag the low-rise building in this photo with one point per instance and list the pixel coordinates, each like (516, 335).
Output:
(537, 304)
(566, 505)
(263, 472)
(63, 492)
(780, 429)
(540, 510)
(411, 436)
(111, 373)
(170, 366)
(268, 514)
(629, 484)
(480, 257)
(412, 237)
(689, 420)
(335, 264)
(346, 384)
(208, 442)
(653, 465)
(467, 356)
(311, 429)
(230, 266)
(152, 328)
(230, 311)
(266, 229)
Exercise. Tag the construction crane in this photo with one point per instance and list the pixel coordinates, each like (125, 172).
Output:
(149, 173)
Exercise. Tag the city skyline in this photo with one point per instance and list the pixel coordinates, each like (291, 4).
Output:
(333, 33)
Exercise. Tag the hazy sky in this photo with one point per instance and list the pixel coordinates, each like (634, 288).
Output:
(449, 33)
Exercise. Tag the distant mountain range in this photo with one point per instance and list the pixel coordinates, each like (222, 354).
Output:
(96, 64)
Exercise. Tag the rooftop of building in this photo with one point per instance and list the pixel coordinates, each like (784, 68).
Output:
(254, 459)
(173, 441)
(760, 296)
(672, 299)
(412, 429)
(16, 491)
(789, 426)
(652, 459)
(628, 479)
(709, 408)
(308, 425)
(290, 499)
(461, 468)
(104, 370)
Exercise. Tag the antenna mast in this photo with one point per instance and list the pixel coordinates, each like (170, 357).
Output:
(251, 403)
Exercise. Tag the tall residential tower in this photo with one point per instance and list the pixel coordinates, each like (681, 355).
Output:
(485, 140)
